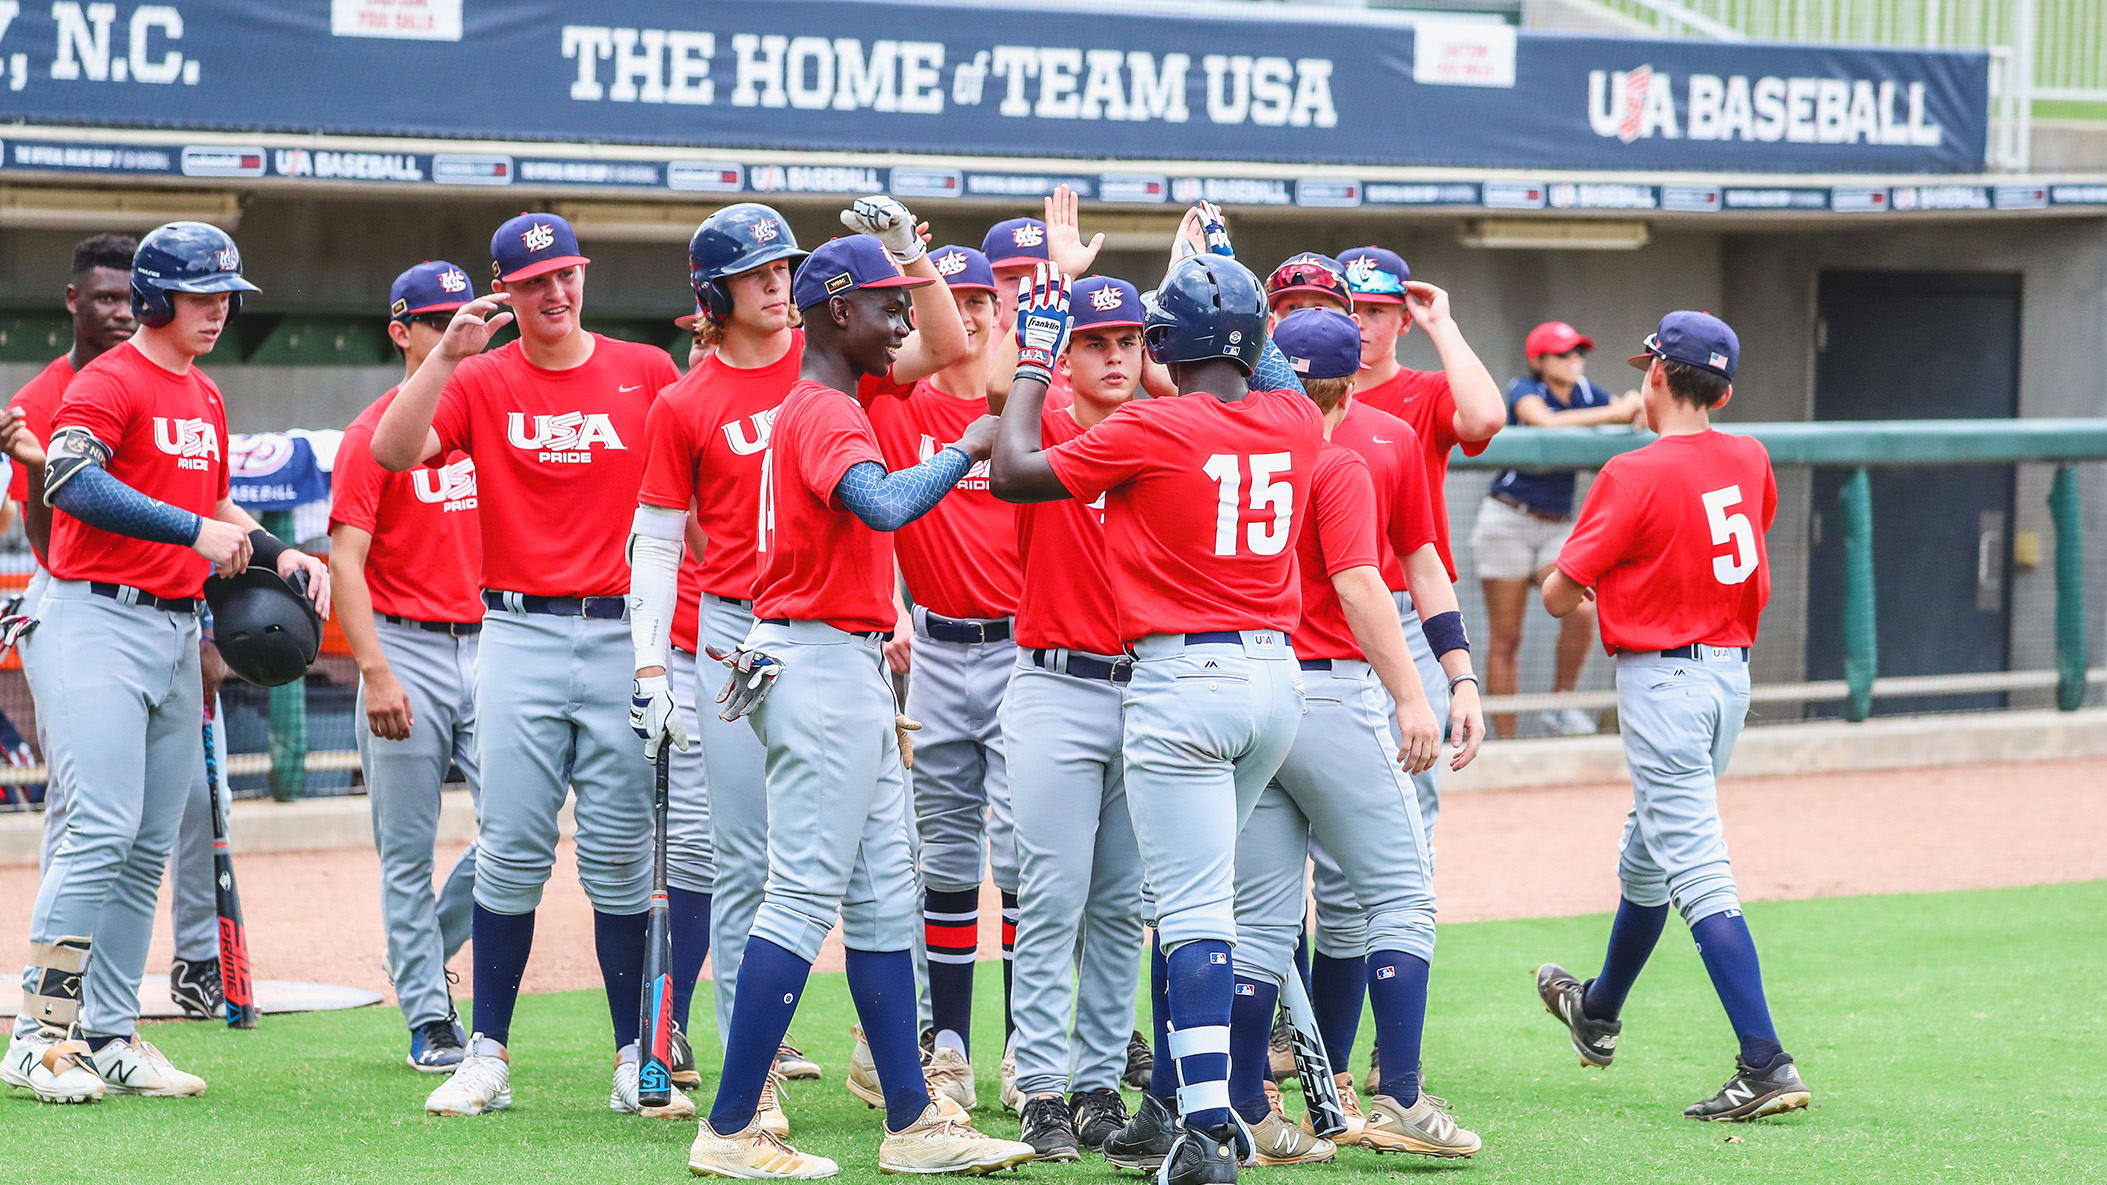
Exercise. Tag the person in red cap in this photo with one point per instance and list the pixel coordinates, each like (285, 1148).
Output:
(1527, 515)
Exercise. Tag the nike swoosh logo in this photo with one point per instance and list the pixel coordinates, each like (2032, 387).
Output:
(1380, 440)
(626, 390)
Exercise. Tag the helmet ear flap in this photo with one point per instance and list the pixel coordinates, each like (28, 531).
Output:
(716, 303)
(151, 306)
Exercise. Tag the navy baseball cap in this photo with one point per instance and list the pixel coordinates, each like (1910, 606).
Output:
(1013, 241)
(1319, 343)
(845, 265)
(1103, 302)
(434, 286)
(1309, 272)
(1375, 275)
(531, 245)
(963, 267)
(1694, 339)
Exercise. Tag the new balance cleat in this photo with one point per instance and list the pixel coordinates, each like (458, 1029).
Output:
(134, 1066)
(1422, 1129)
(1752, 1094)
(50, 1066)
(1564, 997)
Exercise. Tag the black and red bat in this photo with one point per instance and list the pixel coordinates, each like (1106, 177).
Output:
(233, 936)
(655, 1045)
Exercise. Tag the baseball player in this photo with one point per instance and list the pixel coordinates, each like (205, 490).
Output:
(98, 300)
(1204, 495)
(554, 422)
(1339, 782)
(1079, 871)
(814, 680)
(1670, 547)
(405, 555)
(1013, 248)
(138, 463)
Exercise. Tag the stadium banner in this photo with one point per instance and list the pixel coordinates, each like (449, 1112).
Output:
(1136, 83)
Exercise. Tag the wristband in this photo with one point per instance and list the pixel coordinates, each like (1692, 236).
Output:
(1444, 633)
(1465, 677)
(265, 548)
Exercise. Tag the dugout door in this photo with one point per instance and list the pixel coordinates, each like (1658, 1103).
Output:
(1918, 346)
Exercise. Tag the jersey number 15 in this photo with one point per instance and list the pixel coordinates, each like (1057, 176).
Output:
(1732, 528)
(1264, 538)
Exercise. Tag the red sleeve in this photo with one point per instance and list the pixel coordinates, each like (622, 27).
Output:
(18, 483)
(98, 402)
(1411, 506)
(1344, 495)
(834, 437)
(1108, 454)
(1602, 536)
(450, 419)
(226, 464)
(669, 457)
(356, 482)
(666, 374)
(1770, 490)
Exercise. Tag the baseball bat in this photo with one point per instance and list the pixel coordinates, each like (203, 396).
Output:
(655, 1048)
(234, 982)
(1320, 1091)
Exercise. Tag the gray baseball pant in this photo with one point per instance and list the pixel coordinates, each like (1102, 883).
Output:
(961, 781)
(1680, 718)
(732, 762)
(691, 859)
(1079, 935)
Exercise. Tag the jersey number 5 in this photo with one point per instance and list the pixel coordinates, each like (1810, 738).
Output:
(1730, 528)
(1265, 538)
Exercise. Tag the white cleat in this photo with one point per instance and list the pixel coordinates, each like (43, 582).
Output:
(949, 1074)
(753, 1154)
(134, 1066)
(622, 1096)
(482, 1082)
(792, 1063)
(943, 1143)
(52, 1068)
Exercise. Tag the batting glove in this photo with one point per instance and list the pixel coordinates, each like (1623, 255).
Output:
(1042, 322)
(891, 223)
(753, 675)
(1215, 229)
(903, 724)
(654, 717)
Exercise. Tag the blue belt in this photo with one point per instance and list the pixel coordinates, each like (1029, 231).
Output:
(1082, 666)
(957, 629)
(1695, 651)
(1232, 637)
(1315, 664)
(125, 594)
(597, 608)
(459, 629)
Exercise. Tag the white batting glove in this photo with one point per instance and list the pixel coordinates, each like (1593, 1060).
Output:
(1043, 321)
(753, 675)
(654, 717)
(891, 223)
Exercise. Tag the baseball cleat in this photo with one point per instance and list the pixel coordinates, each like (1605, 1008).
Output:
(1049, 1127)
(1349, 1109)
(51, 1067)
(681, 1060)
(134, 1066)
(622, 1096)
(863, 1072)
(1372, 1084)
(769, 1111)
(193, 984)
(1204, 1157)
(1277, 1142)
(793, 1065)
(944, 1143)
(1006, 1092)
(482, 1082)
(436, 1047)
(753, 1154)
(1280, 1047)
(1099, 1115)
(1141, 1062)
(1564, 997)
(1752, 1093)
(1423, 1129)
(949, 1074)
(1145, 1141)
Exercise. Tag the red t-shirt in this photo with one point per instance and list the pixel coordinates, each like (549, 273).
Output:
(960, 559)
(1398, 467)
(1204, 501)
(1671, 540)
(558, 458)
(1066, 601)
(427, 553)
(39, 401)
(168, 439)
(1422, 399)
(703, 450)
(819, 562)
(687, 605)
(1340, 533)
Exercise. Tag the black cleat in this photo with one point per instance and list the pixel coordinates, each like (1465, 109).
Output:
(194, 986)
(1146, 1139)
(1099, 1115)
(1752, 1094)
(1050, 1129)
(682, 1057)
(1594, 1040)
(1141, 1062)
(1204, 1157)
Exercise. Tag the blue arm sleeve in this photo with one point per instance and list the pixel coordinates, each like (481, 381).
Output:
(889, 501)
(100, 500)
(1274, 373)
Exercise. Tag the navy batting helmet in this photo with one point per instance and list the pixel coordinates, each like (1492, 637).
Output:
(184, 257)
(1210, 306)
(264, 625)
(738, 238)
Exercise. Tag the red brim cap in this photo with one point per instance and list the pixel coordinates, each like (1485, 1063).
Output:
(1017, 261)
(544, 266)
(1644, 358)
(1122, 323)
(966, 286)
(1319, 289)
(444, 306)
(687, 322)
(900, 281)
(1375, 298)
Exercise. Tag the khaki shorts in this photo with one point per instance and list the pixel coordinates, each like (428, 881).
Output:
(1512, 544)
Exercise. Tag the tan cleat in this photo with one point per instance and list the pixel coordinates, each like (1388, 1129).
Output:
(1349, 1109)
(792, 1064)
(1006, 1092)
(950, 1075)
(53, 1068)
(941, 1143)
(769, 1111)
(753, 1154)
(1275, 1141)
(1423, 1129)
(863, 1072)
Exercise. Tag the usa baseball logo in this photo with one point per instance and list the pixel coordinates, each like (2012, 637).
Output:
(1360, 271)
(765, 232)
(1027, 236)
(259, 454)
(566, 438)
(229, 259)
(453, 486)
(190, 441)
(750, 435)
(950, 263)
(1104, 300)
(453, 280)
(538, 237)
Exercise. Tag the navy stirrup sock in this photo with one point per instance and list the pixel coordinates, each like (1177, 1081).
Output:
(1202, 985)
(1163, 1077)
(1397, 987)
(618, 940)
(1632, 937)
(1337, 988)
(502, 943)
(771, 979)
(881, 983)
(689, 919)
(1729, 952)
(1250, 1026)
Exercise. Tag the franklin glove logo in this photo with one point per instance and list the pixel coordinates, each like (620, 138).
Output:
(567, 438)
(190, 441)
(538, 237)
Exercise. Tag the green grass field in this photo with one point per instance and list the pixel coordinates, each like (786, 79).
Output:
(1948, 1038)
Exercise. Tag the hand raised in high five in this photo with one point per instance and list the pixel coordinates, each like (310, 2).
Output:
(474, 323)
(1064, 234)
(1042, 321)
(889, 221)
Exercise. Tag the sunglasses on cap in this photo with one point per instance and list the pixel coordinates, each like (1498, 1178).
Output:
(437, 320)
(1303, 273)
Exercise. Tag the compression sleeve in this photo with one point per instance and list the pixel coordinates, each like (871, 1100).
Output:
(94, 497)
(655, 547)
(889, 501)
(1274, 373)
